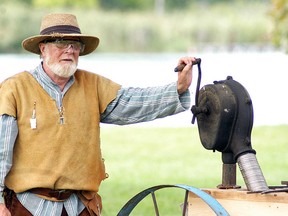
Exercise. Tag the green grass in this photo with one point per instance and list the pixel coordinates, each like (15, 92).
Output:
(138, 158)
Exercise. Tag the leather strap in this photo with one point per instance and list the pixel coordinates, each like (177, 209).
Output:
(56, 194)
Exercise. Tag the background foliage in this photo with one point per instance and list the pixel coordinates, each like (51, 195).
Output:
(152, 25)
(279, 14)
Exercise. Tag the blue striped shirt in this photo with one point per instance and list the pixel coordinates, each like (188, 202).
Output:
(132, 105)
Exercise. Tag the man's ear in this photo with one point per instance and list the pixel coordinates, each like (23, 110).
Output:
(42, 47)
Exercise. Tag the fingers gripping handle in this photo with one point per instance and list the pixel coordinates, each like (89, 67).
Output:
(181, 66)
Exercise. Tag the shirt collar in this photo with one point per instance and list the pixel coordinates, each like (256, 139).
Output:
(45, 79)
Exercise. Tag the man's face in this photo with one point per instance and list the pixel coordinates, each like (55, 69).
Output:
(61, 57)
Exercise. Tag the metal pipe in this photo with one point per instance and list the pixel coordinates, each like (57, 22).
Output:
(228, 177)
(252, 173)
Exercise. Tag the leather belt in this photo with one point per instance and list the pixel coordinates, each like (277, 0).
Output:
(57, 194)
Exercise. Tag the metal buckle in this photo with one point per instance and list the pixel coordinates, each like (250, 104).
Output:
(58, 193)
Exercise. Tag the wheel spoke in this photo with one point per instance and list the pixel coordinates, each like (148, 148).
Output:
(155, 204)
(208, 199)
(185, 203)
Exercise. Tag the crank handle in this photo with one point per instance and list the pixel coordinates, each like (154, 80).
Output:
(181, 66)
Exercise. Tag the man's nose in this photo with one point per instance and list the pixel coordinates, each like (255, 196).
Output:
(68, 48)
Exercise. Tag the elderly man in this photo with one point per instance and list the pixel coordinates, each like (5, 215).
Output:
(51, 162)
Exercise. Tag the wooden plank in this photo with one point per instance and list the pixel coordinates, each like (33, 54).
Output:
(238, 202)
(241, 194)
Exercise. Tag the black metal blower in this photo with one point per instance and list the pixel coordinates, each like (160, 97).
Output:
(224, 113)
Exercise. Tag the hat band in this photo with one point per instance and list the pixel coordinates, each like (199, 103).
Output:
(62, 29)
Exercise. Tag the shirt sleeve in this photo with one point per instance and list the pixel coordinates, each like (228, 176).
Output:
(134, 105)
(8, 134)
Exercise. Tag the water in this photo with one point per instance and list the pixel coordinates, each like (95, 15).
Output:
(262, 74)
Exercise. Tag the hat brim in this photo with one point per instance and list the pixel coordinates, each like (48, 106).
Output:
(31, 44)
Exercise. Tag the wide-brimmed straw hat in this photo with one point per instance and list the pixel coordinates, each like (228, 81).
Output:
(60, 26)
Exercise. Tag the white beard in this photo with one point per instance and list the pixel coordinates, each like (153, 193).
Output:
(62, 71)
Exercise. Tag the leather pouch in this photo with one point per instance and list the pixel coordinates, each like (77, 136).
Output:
(92, 202)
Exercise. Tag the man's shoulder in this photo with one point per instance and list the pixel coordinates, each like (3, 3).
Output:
(89, 79)
(87, 75)
(81, 72)
(19, 77)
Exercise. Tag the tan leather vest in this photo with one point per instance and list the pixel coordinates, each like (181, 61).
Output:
(55, 155)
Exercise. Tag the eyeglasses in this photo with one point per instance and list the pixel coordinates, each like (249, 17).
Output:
(62, 44)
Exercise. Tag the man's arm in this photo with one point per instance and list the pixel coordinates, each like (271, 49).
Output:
(134, 105)
(8, 134)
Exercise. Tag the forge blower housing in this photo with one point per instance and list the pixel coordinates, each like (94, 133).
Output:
(224, 113)
(225, 118)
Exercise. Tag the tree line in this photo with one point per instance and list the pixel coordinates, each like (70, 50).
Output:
(127, 4)
(151, 30)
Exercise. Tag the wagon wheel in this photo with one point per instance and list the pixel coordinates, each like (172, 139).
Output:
(209, 200)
